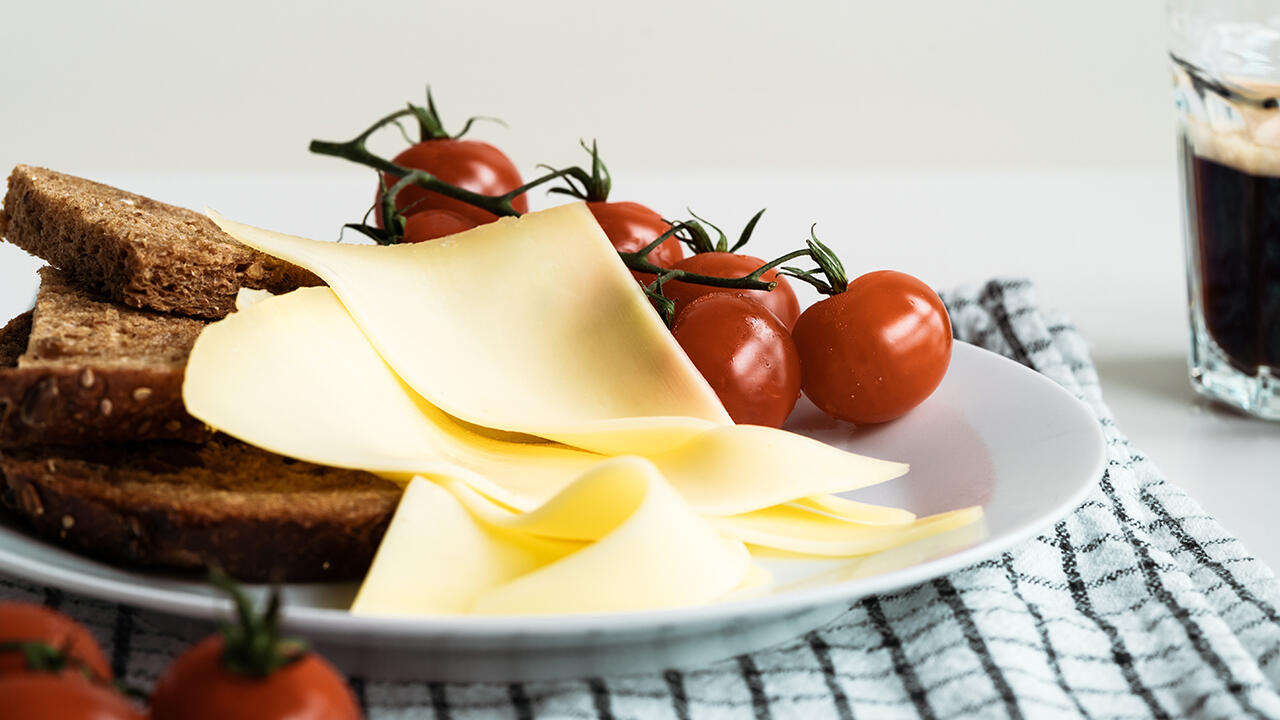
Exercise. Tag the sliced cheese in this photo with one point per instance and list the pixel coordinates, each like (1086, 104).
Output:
(660, 553)
(529, 325)
(646, 549)
(561, 452)
(293, 374)
(858, 512)
(802, 531)
(435, 558)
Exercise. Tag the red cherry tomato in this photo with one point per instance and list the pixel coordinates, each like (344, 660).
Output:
(746, 355)
(24, 622)
(198, 686)
(469, 164)
(62, 696)
(876, 350)
(432, 224)
(781, 300)
(631, 226)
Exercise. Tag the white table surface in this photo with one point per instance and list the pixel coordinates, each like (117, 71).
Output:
(1103, 246)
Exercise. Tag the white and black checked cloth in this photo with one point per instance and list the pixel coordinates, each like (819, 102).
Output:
(1136, 605)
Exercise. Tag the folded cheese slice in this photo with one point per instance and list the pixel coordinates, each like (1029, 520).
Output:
(798, 530)
(529, 325)
(643, 548)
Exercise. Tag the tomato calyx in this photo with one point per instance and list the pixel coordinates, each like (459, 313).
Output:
(252, 643)
(43, 657)
(430, 127)
(595, 187)
(836, 279)
(699, 240)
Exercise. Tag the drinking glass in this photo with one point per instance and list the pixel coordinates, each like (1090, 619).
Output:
(1225, 59)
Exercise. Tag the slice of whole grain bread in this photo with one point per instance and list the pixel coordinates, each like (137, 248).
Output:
(133, 249)
(257, 515)
(93, 371)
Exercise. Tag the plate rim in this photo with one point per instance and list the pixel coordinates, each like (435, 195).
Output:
(330, 622)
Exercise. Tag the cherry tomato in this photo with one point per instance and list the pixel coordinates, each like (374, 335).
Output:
(35, 623)
(876, 350)
(631, 226)
(61, 696)
(198, 686)
(432, 224)
(781, 300)
(469, 164)
(746, 355)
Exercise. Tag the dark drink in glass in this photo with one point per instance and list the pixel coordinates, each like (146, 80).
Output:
(1226, 82)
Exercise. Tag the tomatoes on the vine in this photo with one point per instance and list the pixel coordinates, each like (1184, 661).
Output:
(200, 686)
(432, 224)
(876, 350)
(631, 226)
(745, 354)
(65, 696)
(25, 622)
(470, 164)
(781, 300)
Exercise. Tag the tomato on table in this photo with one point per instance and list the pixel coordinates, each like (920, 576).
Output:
(745, 354)
(247, 671)
(781, 300)
(199, 686)
(25, 622)
(63, 696)
(876, 350)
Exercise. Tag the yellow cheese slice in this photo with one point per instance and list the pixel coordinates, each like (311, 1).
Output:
(660, 554)
(529, 325)
(801, 531)
(294, 375)
(853, 511)
(648, 550)
(435, 558)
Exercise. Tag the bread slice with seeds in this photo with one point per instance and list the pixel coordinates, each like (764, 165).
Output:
(97, 450)
(167, 504)
(93, 371)
(135, 250)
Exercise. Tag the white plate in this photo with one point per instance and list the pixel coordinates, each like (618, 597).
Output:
(995, 434)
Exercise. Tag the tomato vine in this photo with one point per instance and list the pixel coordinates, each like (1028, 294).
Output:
(593, 184)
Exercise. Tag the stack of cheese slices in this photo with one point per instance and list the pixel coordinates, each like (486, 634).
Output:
(560, 452)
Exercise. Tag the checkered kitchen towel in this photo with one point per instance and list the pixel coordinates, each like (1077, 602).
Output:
(1136, 605)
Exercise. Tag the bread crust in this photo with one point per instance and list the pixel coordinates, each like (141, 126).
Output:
(172, 505)
(135, 250)
(13, 339)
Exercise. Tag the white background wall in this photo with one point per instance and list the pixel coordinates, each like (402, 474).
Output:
(240, 86)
